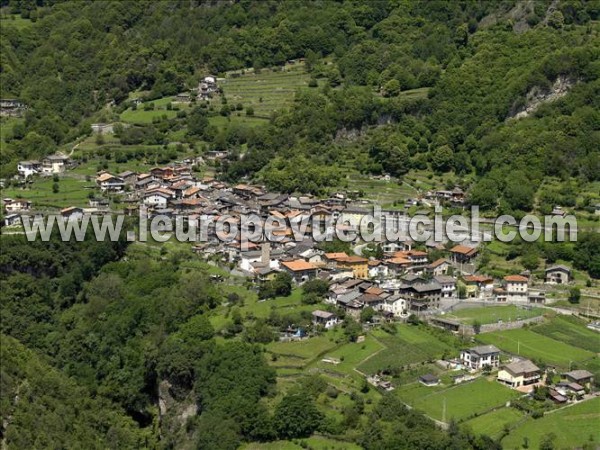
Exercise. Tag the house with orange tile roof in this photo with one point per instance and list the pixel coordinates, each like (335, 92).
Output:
(516, 287)
(439, 267)
(300, 270)
(478, 285)
(358, 265)
(462, 254)
(330, 259)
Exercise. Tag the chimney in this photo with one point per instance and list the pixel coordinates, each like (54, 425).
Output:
(265, 256)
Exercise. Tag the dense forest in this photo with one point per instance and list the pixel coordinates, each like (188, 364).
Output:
(96, 335)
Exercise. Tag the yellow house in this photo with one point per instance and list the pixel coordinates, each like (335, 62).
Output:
(519, 373)
(358, 265)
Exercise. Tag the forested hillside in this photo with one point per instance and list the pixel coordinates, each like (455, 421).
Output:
(118, 345)
(472, 66)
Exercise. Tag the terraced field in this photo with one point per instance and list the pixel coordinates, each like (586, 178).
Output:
(571, 331)
(458, 402)
(409, 346)
(493, 314)
(493, 423)
(266, 91)
(385, 193)
(570, 427)
(530, 344)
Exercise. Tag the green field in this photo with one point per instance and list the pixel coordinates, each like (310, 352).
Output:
(385, 193)
(409, 346)
(72, 192)
(492, 314)
(572, 331)
(313, 442)
(350, 355)
(493, 423)
(267, 91)
(572, 427)
(139, 116)
(527, 343)
(305, 349)
(461, 401)
(14, 21)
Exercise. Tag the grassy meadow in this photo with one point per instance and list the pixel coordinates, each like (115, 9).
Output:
(493, 314)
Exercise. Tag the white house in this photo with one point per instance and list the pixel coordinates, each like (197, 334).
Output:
(377, 269)
(396, 305)
(477, 358)
(103, 128)
(11, 220)
(516, 287)
(110, 183)
(71, 213)
(439, 267)
(324, 318)
(54, 164)
(448, 285)
(158, 198)
(28, 168)
(15, 205)
(557, 275)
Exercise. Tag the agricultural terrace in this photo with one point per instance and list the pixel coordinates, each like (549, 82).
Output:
(265, 91)
(410, 345)
(493, 314)
(159, 110)
(459, 402)
(527, 343)
(572, 427)
(494, 422)
(572, 331)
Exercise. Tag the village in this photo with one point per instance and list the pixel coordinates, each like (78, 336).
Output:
(398, 282)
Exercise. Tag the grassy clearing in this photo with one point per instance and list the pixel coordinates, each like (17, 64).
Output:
(314, 442)
(494, 422)
(461, 401)
(139, 116)
(415, 93)
(572, 427)
(385, 193)
(262, 308)
(238, 118)
(266, 91)
(15, 21)
(72, 192)
(307, 348)
(527, 343)
(350, 356)
(492, 314)
(572, 331)
(409, 346)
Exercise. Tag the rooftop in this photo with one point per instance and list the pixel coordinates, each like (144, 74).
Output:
(298, 265)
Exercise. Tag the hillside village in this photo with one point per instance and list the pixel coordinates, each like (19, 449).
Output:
(405, 282)
(308, 118)
(404, 268)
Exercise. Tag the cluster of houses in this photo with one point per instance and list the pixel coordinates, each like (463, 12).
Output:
(206, 90)
(521, 374)
(49, 165)
(403, 278)
(12, 107)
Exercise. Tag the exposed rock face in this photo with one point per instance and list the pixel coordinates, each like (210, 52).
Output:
(538, 96)
(173, 414)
